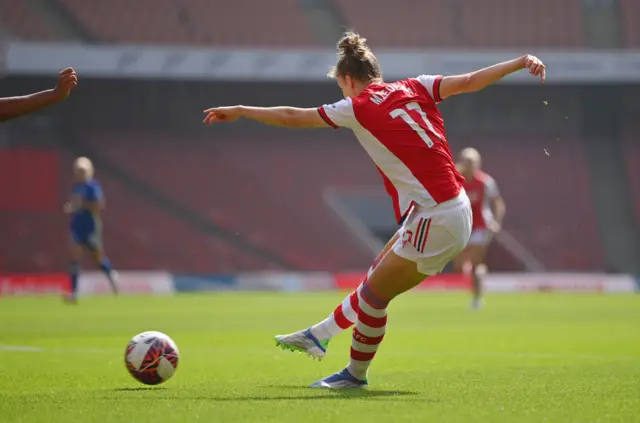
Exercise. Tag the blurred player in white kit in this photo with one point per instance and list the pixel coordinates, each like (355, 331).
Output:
(488, 209)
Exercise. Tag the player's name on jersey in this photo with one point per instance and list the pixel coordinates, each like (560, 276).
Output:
(178, 63)
(378, 97)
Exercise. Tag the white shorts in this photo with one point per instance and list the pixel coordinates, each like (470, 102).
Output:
(433, 237)
(480, 237)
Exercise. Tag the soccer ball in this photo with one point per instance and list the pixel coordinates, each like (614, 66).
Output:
(151, 357)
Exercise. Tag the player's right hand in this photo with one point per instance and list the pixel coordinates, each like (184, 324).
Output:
(221, 114)
(67, 80)
(67, 208)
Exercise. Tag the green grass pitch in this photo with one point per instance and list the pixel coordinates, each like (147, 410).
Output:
(524, 358)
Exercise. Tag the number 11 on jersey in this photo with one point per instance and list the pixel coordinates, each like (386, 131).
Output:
(402, 113)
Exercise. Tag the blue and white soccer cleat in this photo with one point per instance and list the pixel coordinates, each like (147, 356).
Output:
(303, 341)
(341, 380)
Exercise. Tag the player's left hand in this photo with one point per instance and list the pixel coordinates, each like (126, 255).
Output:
(68, 208)
(221, 114)
(536, 67)
(67, 80)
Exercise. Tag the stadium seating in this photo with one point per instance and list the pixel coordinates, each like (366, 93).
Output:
(630, 15)
(265, 199)
(399, 23)
(451, 23)
(33, 241)
(202, 22)
(268, 191)
(549, 205)
(137, 236)
(140, 236)
(24, 22)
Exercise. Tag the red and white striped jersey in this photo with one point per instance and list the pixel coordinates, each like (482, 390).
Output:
(401, 128)
(481, 189)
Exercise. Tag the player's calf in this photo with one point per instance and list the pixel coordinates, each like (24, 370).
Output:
(110, 273)
(74, 272)
(346, 313)
(315, 340)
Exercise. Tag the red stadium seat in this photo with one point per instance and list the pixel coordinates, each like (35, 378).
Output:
(630, 15)
(398, 23)
(506, 23)
(401, 23)
(138, 236)
(24, 22)
(549, 203)
(267, 191)
(201, 22)
(270, 192)
(33, 241)
(447, 23)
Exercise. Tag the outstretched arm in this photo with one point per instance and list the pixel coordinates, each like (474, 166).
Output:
(13, 107)
(288, 117)
(475, 81)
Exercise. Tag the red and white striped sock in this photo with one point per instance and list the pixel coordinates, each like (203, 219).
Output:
(342, 318)
(345, 315)
(368, 333)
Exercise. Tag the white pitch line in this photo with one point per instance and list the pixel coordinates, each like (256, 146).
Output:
(234, 351)
(25, 348)
(20, 348)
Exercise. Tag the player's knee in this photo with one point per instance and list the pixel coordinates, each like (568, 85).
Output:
(74, 267)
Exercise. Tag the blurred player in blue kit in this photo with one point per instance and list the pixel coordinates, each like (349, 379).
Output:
(85, 205)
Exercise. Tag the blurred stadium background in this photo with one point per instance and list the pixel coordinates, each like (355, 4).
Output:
(238, 199)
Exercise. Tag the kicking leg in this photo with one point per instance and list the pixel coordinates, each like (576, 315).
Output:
(427, 242)
(393, 276)
(314, 341)
(346, 314)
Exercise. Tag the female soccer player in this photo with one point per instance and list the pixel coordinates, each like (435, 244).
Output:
(12, 107)
(488, 209)
(400, 127)
(85, 206)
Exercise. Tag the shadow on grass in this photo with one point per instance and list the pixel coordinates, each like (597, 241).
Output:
(354, 392)
(311, 395)
(139, 388)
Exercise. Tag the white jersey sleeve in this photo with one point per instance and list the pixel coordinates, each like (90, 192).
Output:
(491, 188)
(432, 84)
(338, 114)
